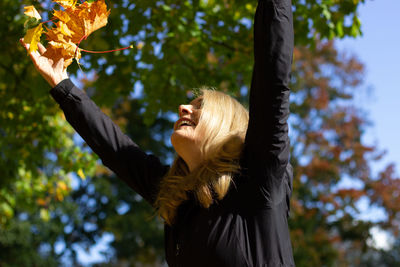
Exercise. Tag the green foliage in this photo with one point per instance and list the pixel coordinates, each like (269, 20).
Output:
(325, 19)
(19, 243)
(37, 152)
(192, 43)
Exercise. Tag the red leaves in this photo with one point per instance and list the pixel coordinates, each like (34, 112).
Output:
(331, 161)
(321, 170)
(385, 192)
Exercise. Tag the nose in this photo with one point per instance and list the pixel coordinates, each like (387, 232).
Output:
(185, 109)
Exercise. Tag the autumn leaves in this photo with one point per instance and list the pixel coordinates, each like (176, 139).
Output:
(73, 23)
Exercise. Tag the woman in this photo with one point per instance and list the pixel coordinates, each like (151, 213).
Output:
(225, 200)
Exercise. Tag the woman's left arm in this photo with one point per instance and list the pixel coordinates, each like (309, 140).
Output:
(267, 141)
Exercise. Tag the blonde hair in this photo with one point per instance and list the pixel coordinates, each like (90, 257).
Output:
(222, 125)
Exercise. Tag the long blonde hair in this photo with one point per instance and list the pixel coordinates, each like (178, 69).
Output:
(222, 125)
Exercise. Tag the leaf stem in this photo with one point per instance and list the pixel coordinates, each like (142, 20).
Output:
(77, 45)
(50, 20)
(108, 51)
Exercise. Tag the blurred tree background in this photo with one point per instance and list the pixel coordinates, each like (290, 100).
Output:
(48, 214)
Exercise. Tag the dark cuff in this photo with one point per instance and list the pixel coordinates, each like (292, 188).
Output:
(61, 90)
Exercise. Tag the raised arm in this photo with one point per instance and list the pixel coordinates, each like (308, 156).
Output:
(117, 151)
(267, 142)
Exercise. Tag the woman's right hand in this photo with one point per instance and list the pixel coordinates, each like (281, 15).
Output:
(52, 72)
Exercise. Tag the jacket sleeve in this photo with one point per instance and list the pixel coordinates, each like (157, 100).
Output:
(117, 151)
(267, 143)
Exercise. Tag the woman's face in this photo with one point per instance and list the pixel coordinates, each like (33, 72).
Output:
(189, 116)
(184, 138)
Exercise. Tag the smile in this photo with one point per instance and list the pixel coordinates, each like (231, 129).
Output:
(185, 122)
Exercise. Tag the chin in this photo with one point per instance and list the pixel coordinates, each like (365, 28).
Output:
(173, 139)
(182, 140)
(178, 138)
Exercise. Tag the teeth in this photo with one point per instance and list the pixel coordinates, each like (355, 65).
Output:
(185, 122)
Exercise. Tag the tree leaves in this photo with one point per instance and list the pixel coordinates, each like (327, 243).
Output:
(185, 45)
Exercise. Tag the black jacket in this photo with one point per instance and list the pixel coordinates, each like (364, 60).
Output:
(249, 226)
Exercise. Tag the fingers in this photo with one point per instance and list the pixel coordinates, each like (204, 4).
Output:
(34, 54)
(42, 49)
(26, 46)
(59, 65)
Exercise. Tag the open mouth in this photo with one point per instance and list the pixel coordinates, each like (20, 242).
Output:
(185, 122)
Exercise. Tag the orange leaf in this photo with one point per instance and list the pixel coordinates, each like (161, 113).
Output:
(85, 18)
(62, 185)
(66, 50)
(96, 18)
(41, 202)
(76, 22)
(61, 15)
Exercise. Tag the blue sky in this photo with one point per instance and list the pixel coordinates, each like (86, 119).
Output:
(378, 49)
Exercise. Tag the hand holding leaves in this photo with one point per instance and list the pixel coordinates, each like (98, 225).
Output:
(74, 23)
(52, 71)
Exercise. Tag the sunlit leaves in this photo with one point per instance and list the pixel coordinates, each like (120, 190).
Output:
(44, 214)
(327, 19)
(6, 212)
(32, 37)
(31, 12)
(66, 3)
(75, 23)
(81, 174)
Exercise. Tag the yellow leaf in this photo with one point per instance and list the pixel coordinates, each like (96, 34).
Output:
(45, 215)
(32, 37)
(31, 11)
(62, 185)
(64, 29)
(249, 7)
(236, 15)
(55, 35)
(66, 3)
(59, 194)
(26, 108)
(81, 174)
(139, 45)
(6, 210)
